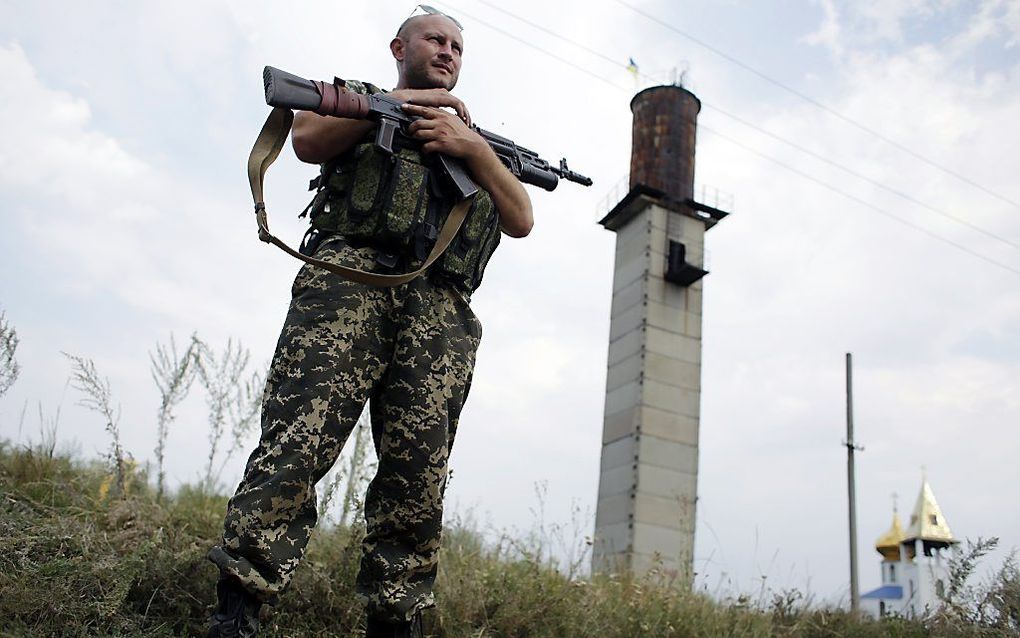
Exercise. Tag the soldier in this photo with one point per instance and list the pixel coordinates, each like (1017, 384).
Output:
(409, 349)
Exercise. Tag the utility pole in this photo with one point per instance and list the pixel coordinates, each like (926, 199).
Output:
(855, 592)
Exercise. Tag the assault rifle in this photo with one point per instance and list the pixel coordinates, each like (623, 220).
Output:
(289, 91)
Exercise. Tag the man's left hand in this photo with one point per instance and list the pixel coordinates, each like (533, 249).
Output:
(443, 132)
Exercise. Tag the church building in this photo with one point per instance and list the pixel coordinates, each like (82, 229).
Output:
(915, 563)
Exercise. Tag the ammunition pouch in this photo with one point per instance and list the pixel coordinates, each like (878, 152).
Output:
(393, 202)
(370, 195)
(465, 259)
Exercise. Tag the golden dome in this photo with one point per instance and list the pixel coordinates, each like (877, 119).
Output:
(888, 544)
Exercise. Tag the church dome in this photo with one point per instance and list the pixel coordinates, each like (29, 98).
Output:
(888, 544)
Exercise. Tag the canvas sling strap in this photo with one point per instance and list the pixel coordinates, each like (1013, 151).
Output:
(267, 148)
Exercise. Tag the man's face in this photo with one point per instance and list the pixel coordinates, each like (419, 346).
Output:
(428, 53)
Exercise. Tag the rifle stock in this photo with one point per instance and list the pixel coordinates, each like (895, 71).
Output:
(290, 91)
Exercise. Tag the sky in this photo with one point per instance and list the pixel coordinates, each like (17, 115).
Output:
(892, 233)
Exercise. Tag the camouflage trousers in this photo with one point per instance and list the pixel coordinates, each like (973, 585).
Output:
(410, 351)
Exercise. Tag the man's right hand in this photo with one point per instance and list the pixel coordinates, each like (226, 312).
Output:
(435, 98)
(318, 138)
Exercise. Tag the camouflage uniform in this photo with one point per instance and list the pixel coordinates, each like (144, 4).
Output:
(410, 350)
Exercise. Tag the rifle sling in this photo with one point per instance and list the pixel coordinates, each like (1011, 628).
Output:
(267, 148)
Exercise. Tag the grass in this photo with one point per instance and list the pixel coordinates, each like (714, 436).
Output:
(79, 559)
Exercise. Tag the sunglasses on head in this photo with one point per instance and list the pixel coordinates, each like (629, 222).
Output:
(426, 10)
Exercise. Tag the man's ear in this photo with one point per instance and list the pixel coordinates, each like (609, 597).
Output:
(397, 49)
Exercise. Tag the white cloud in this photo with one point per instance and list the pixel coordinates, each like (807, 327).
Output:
(886, 19)
(829, 32)
(49, 143)
(992, 19)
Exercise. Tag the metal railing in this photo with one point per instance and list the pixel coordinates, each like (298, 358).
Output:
(703, 193)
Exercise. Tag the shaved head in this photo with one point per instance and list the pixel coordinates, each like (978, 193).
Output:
(427, 50)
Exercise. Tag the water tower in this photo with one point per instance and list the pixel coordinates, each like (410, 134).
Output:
(649, 469)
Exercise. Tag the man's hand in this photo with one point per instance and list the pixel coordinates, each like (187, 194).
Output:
(442, 132)
(435, 98)
(318, 138)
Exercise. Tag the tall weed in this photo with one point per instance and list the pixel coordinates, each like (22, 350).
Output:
(173, 374)
(233, 399)
(99, 398)
(9, 368)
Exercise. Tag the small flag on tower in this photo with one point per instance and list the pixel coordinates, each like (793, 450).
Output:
(632, 67)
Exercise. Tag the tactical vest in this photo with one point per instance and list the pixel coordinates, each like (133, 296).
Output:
(396, 203)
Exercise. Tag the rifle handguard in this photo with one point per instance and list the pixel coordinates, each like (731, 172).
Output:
(538, 177)
(339, 102)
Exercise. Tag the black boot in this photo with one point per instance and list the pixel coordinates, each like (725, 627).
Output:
(237, 613)
(407, 629)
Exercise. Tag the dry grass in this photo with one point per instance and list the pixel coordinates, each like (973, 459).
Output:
(78, 560)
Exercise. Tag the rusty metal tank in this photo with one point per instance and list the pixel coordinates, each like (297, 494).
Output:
(665, 130)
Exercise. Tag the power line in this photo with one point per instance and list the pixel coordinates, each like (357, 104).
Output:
(537, 48)
(755, 152)
(821, 105)
(857, 199)
(559, 36)
(873, 182)
(799, 147)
